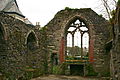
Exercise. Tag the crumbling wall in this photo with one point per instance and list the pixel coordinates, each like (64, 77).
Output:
(98, 33)
(16, 59)
(25, 51)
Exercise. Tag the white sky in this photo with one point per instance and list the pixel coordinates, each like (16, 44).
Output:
(44, 10)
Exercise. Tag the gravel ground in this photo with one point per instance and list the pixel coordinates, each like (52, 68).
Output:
(62, 77)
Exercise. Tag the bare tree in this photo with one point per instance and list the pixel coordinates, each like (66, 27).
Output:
(109, 6)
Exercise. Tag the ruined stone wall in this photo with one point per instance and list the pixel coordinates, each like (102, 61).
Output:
(16, 59)
(25, 51)
(98, 33)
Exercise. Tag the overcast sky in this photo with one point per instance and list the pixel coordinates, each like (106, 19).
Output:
(44, 10)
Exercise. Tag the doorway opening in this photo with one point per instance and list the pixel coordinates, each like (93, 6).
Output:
(31, 41)
(77, 69)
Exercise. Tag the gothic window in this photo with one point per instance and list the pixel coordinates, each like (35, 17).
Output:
(77, 39)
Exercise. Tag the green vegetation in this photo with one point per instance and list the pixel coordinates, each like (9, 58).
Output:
(91, 71)
(76, 50)
(73, 52)
(105, 74)
(67, 8)
(59, 69)
(118, 2)
(30, 73)
(44, 41)
(56, 69)
(101, 15)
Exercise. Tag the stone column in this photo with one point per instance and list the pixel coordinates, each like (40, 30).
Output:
(81, 45)
(72, 40)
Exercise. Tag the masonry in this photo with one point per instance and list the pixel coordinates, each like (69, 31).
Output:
(26, 50)
(20, 48)
(98, 33)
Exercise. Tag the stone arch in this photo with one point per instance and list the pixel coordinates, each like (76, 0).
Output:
(72, 19)
(31, 40)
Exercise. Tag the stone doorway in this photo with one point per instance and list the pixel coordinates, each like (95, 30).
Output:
(77, 69)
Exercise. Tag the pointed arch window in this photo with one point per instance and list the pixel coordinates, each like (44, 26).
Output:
(77, 39)
(31, 41)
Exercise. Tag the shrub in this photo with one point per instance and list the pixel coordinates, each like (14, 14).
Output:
(91, 71)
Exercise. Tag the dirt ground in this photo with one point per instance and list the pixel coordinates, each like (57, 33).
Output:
(62, 77)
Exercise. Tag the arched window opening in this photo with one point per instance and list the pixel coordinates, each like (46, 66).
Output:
(31, 41)
(77, 39)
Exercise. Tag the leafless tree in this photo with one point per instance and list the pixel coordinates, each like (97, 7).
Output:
(109, 6)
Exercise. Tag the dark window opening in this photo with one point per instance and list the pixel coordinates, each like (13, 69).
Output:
(31, 41)
(54, 59)
(77, 69)
(108, 47)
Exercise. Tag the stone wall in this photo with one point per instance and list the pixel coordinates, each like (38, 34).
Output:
(98, 33)
(26, 50)
(16, 59)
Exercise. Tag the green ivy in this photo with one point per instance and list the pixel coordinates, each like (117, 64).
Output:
(106, 74)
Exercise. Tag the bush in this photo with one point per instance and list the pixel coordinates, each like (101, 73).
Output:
(67, 8)
(91, 71)
(56, 69)
(59, 69)
(105, 74)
